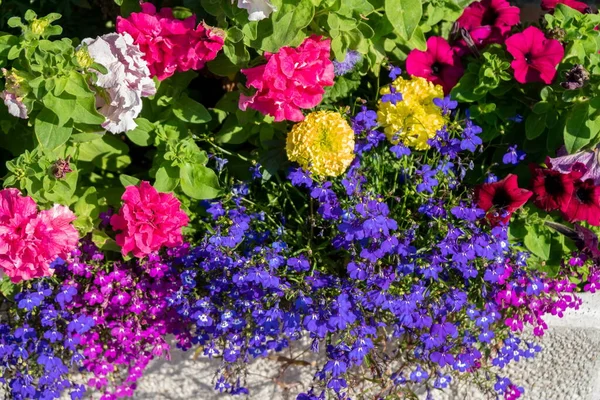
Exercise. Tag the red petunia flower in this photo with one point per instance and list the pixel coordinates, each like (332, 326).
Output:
(500, 199)
(439, 64)
(498, 14)
(535, 56)
(580, 6)
(584, 204)
(552, 190)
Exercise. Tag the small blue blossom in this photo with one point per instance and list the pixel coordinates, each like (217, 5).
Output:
(513, 156)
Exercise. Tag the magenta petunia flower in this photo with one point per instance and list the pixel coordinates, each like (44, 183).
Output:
(438, 64)
(536, 57)
(148, 220)
(170, 44)
(481, 37)
(498, 14)
(31, 241)
(291, 80)
(577, 5)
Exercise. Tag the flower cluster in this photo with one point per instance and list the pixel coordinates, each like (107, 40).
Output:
(408, 113)
(292, 79)
(323, 143)
(535, 57)
(108, 320)
(248, 292)
(127, 304)
(31, 240)
(568, 186)
(120, 90)
(40, 346)
(148, 220)
(170, 44)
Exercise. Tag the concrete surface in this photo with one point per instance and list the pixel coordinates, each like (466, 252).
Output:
(567, 369)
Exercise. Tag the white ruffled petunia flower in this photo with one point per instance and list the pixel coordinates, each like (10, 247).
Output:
(257, 9)
(126, 82)
(14, 104)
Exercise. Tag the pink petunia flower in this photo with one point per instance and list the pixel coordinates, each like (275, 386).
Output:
(535, 56)
(170, 44)
(292, 79)
(148, 220)
(498, 14)
(31, 241)
(580, 6)
(438, 64)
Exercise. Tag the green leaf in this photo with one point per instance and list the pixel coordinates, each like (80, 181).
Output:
(141, 134)
(87, 211)
(199, 182)
(285, 26)
(464, 89)
(191, 111)
(62, 106)
(104, 242)
(418, 40)
(77, 86)
(404, 15)
(577, 133)
(167, 178)
(48, 132)
(9, 289)
(232, 132)
(108, 152)
(128, 180)
(538, 242)
(535, 125)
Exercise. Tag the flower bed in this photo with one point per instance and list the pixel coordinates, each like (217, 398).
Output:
(401, 186)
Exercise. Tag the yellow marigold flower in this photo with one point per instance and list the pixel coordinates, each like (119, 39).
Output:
(323, 143)
(415, 118)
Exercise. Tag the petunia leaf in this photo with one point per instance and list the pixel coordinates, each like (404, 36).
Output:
(577, 132)
(199, 182)
(404, 15)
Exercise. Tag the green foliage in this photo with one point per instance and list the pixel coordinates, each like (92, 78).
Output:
(553, 115)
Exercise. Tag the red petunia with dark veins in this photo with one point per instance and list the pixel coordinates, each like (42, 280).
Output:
(552, 190)
(500, 199)
(584, 204)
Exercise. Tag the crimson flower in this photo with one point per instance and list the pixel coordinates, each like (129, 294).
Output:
(498, 14)
(500, 199)
(577, 5)
(552, 190)
(535, 56)
(438, 64)
(584, 204)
